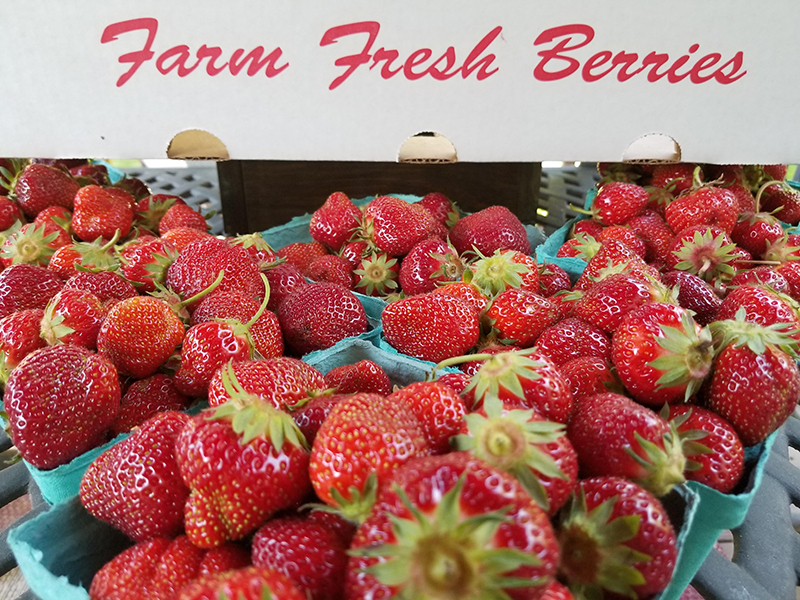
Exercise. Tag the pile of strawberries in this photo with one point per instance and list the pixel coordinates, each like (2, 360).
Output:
(534, 471)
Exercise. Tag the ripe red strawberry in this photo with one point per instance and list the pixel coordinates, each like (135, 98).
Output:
(181, 215)
(522, 380)
(613, 257)
(557, 591)
(332, 269)
(376, 275)
(459, 498)
(756, 384)
(135, 187)
(775, 171)
(552, 279)
(26, 286)
(764, 276)
(441, 207)
(101, 213)
(565, 302)
(283, 279)
(394, 226)
(139, 335)
(363, 376)
(703, 251)
(157, 569)
(151, 209)
(258, 248)
(714, 453)
(350, 457)
(431, 326)
(791, 272)
(318, 315)
(302, 254)
(625, 235)
(243, 461)
(285, 383)
(19, 336)
(457, 382)
(525, 445)
(783, 201)
(573, 338)
(90, 174)
(355, 251)
(716, 207)
(72, 259)
(588, 226)
(744, 197)
(519, 316)
(439, 410)
(761, 306)
(637, 443)
(251, 583)
(583, 246)
(199, 264)
(60, 401)
(588, 376)
(694, 294)
(54, 214)
(73, 317)
(428, 264)
(40, 186)
(33, 244)
(679, 177)
(661, 354)
(146, 264)
(135, 485)
(473, 366)
(617, 203)
(145, 398)
(503, 270)
(310, 417)
(307, 552)
(653, 229)
(335, 221)
(755, 231)
(106, 285)
(488, 230)
(618, 537)
(10, 213)
(466, 292)
(181, 237)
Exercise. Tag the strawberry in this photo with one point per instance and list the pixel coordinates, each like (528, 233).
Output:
(625, 235)
(763, 276)
(139, 335)
(285, 383)
(637, 443)
(428, 264)
(744, 197)
(60, 401)
(310, 417)
(572, 338)
(251, 583)
(32, 244)
(473, 366)
(613, 257)
(19, 336)
(26, 286)
(466, 292)
(756, 384)
(617, 203)
(259, 249)
(590, 227)
(439, 410)
(145, 398)
(453, 527)
(10, 213)
(704, 251)
(791, 273)
(40, 186)
(694, 294)
(135, 187)
(363, 376)
(71, 259)
(653, 229)
(431, 326)
(661, 354)
(146, 264)
(318, 315)
(761, 306)
(106, 285)
(157, 569)
(181, 215)
(525, 445)
(90, 174)
(243, 461)
(783, 250)
(588, 376)
(101, 213)
(308, 552)
(488, 230)
(151, 209)
(755, 231)
(504, 270)
(557, 591)
(350, 457)
(519, 316)
(441, 207)
(552, 279)
(565, 302)
(457, 382)
(714, 453)
(301, 254)
(55, 214)
(783, 201)
(135, 485)
(181, 237)
(679, 177)
(617, 537)
(283, 280)
(334, 222)
(332, 269)
(376, 275)
(394, 226)
(706, 206)
(583, 246)
(73, 317)
(354, 251)
(775, 171)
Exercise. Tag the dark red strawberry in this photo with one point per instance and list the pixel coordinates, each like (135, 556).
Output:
(283, 280)
(91, 174)
(716, 207)
(335, 222)
(135, 485)
(19, 336)
(181, 215)
(27, 286)
(332, 269)
(694, 294)
(617, 203)
(151, 209)
(181, 237)
(135, 187)
(394, 226)
(145, 398)
(488, 230)
(376, 275)
(588, 376)
(572, 338)
(441, 207)
(61, 401)
(765, 276)
(101, 213)
(428, 264)
(679, 177)
(40, 186)
(106, 285)
(363, 376)
(617, 537)
(627, 236)
(552, 279)
(783, 201)
(73, 317)
(302, 254)
(10, 213)
(519, 316)
(251, 583)
(439, 410)
(310, 417)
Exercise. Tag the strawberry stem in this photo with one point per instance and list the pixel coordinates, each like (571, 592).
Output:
(264, 303)
(761, 191)
(202, 294)
(112, 241)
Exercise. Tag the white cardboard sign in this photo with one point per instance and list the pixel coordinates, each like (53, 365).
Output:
(353, 79)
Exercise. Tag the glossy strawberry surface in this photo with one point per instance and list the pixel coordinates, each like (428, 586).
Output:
(40, 186)
(146, 397)
(520, 316)
(101, 212)
(363, 376)
(490, 229)
(573, 338)
(439, 410)
(334, 222)
(27, 286)
(616, 203)
(251, 583)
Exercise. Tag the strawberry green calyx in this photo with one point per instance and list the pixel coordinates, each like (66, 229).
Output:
(664, 467)
(510, 440)
(586, 247)
(781, 251)
(53, 329)
(687, 358)
(497, 273)
(377, 275)
(30, 246)
(756, 337)
(95, 256)
(706, 255)
(452, 267)
(593, 550)
(174, 300)
(358, 505)
(444, 555)
(504, 370)
(253, 418)
(690, 443)
(241, 329)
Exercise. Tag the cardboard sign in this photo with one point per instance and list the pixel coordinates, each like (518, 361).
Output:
(354, 79)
